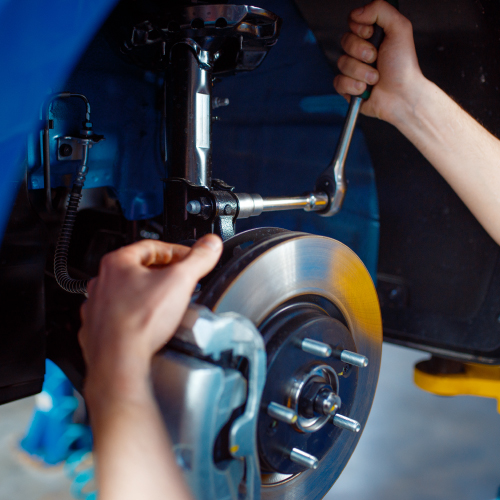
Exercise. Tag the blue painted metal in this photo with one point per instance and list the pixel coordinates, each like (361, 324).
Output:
(277, 135)
(125, 103)
(280, 131)
(40, 41)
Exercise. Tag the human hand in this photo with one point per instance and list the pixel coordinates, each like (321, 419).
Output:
(135, 305)
(397, 78)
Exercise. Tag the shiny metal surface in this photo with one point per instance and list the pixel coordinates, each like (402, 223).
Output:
(322, 374)
(327, 403)
(190, 109)
(354, 358)
(304, 459)
(193, 207)
(317, 348)
(302, 265)
(282, 413)
(205, 397)
(346, 423)
(333, 178)
(252, 205)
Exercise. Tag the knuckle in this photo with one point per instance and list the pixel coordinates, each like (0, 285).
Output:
(343, 40)
(109, 259)
(342, 62)
(406, 24)
(349, 42)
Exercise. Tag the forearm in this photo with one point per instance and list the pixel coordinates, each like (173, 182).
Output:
(462, 151)
(134, 457)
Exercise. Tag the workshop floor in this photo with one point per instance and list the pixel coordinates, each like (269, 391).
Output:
(415, 446)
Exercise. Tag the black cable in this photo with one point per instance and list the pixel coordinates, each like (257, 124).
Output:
(63, 279)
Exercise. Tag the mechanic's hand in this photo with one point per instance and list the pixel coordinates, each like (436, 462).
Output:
(136, 303)
(397, 78)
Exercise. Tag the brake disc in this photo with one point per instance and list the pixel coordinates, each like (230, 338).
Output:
(296, 287)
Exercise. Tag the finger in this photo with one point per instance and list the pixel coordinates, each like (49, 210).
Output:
(149, 253)
(346, 85)
(83, 311)
(357, 70)
(358, 48)
(382, 13)
(91, 285)
(203, 256)
(362, 30)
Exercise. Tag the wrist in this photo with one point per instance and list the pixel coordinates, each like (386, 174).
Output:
(125, 381)
(405, 106)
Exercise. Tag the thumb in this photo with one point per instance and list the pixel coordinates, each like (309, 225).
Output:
(203, 256)
(379, 12)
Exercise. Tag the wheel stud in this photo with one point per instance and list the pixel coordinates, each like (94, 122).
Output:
(352, 358)
(317, 348)
(346, 423)
(281, 413)
(302, 458)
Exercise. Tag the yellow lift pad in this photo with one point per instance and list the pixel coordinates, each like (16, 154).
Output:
(473, 380)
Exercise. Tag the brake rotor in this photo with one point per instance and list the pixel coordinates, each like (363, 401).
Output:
(296, 287)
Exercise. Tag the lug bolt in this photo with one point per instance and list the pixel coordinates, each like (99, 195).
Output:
(302, 458)
(346, 423)
(193, 207)
(316, 348)
(281, 413)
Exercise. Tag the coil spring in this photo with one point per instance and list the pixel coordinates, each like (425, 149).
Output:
(63, 279)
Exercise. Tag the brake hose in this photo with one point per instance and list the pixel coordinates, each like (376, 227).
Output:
(64, 280)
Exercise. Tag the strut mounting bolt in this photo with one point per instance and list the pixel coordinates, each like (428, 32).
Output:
(346, 423)
(302, 458)
(317, 348)
(281, 413)
(352, 358)
(193, 207)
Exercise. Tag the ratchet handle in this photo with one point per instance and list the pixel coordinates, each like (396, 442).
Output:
(376, 40)
(332, 181)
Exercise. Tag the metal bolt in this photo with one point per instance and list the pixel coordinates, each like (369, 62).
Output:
(327, 402)
(353, 358)
(219, 102)
(317, 348)
(193, 207)
(281, 413)
(65, 150)
(346, 423)
(302, 458)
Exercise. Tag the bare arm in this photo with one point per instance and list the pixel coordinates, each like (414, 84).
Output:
(460, 149)
(134, 307)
